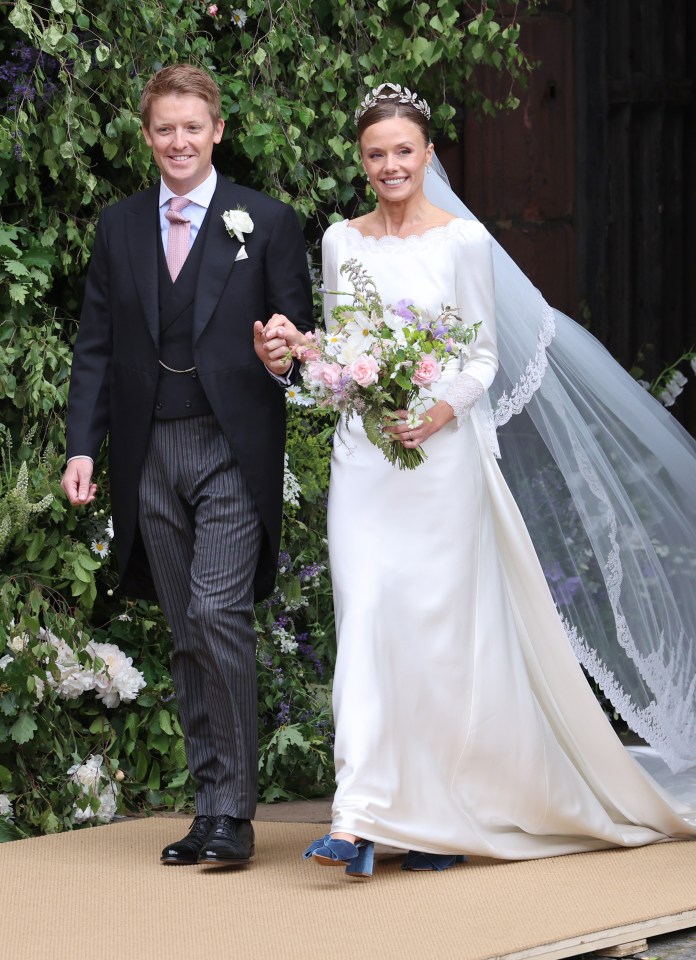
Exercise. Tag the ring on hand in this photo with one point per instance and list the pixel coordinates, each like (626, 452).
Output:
(410, 435)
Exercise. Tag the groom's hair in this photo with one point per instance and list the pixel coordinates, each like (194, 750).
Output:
(180, 79)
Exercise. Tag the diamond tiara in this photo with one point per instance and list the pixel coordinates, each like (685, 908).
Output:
(395, 93)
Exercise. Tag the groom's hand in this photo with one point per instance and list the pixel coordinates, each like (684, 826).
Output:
(270, 345)
(77, 481)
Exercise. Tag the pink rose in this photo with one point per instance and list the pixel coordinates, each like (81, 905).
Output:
(213, 9)
(427, 371)
(306, 353)
(364, 370)
(328, 374)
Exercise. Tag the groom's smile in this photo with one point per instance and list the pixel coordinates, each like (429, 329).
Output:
(182, 133)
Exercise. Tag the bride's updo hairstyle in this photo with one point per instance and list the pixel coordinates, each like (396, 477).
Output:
(391, 100)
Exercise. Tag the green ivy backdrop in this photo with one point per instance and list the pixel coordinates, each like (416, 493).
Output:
(88, 720)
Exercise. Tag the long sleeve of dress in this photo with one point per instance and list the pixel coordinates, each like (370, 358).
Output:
(329, 269)
(475, 304)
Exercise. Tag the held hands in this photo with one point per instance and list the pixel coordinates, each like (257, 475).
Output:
(77, 482)
(412, 430)
(274, 343)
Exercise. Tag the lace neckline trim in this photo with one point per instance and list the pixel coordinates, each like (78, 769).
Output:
(390, 238)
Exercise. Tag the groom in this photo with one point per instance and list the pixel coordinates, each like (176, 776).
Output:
(165, 363)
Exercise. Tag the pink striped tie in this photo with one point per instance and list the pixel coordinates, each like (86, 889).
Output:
(177, 235)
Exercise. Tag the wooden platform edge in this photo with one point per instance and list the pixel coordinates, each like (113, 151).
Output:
(590, 942)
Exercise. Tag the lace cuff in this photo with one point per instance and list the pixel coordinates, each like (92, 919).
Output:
(462, 395)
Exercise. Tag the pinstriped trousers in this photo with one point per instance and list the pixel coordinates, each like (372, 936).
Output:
(202, 533)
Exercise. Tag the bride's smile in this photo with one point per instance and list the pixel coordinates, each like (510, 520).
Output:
(395, 156)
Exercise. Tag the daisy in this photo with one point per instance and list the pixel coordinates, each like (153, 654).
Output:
(299, 399)
(100, 547)
(239, 18)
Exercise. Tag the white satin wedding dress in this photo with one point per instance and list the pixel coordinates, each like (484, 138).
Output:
(464, 723)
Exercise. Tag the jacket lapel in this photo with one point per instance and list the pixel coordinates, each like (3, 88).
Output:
(219, 252)
(142, 237)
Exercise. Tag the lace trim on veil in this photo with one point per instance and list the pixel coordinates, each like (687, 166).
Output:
(646, 722)
(662, 675)
(530, 381)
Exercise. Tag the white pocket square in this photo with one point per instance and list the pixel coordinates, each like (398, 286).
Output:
(242, 255)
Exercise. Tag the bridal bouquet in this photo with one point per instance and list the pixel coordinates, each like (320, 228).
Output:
(376, 359)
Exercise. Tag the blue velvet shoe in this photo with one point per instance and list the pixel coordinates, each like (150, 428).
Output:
(419, 862)
(358, 858)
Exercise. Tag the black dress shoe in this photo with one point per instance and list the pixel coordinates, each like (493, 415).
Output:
(230, 843)
(187, 850)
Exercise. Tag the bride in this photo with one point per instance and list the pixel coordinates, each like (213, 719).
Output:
(464, 722)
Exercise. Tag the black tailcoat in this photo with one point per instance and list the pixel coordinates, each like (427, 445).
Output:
(116, 358)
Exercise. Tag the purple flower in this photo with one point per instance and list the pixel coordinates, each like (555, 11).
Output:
(19, 74)
(403, 309)
(564, 592)
(307, 650)
(283, 714)
(309, 572)
(553, 572)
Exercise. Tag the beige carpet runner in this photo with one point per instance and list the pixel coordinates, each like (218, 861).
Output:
(102, 893)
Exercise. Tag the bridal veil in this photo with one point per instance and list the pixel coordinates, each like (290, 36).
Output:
(604, 477)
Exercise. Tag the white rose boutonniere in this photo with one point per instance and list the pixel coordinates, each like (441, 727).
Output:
(237, 223)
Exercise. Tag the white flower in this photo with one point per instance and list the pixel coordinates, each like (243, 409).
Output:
(89, 777)
(285, 640)
(239, 18)
(692, 363)
(100, 547)
(74, 679)
(19, 643)
(393, 320)
(666, 398)
(645, 384)
(125, 617)
(5, 805)
(291, 486)
(350, 350)
(105, 812)
(118, 679)
(8, 658)
(238, 222)
(297, 398)
(87, 774)
(39, 687)
(109, 529)
(676, 383)
(362, 330)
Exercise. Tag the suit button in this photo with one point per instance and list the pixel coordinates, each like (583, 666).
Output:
(160, 404)
(194, 376)
(188, 403)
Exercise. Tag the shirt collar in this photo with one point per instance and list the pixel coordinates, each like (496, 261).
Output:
(201, 195)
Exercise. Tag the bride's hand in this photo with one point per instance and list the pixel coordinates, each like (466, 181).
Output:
(413, 432)
(280, 326)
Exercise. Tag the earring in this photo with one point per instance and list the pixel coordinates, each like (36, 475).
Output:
(427, 168)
